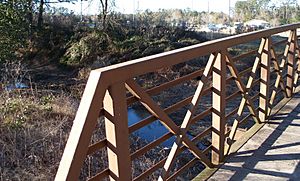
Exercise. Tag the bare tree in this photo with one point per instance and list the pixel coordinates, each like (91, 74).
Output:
(41, 9)
(105, 11)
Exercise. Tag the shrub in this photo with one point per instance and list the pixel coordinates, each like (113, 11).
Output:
(86, 50)
(13, 28)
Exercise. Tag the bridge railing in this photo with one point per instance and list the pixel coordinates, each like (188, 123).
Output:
(231, 93)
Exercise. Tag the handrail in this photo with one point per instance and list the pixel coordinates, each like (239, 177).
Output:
(148, 64)
(107, 95)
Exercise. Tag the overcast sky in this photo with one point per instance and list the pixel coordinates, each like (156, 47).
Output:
(128, 6)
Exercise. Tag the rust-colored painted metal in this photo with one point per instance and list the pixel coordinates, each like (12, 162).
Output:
(290, 52)
(265, 79)
(107, 88)
(117, 133)
(219, 104)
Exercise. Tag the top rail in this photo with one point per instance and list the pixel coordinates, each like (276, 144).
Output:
(123, 71)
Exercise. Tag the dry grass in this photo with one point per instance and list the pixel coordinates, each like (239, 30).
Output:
(33, 131)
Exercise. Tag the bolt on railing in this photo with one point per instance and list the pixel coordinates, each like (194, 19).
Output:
(110, 90)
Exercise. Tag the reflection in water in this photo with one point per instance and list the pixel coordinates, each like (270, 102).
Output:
(18, 85)
(151, 131)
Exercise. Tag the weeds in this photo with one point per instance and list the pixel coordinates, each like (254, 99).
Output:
(33, 132)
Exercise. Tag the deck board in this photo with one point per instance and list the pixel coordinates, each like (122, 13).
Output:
(273, 153)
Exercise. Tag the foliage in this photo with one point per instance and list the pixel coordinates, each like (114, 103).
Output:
(32, 136)
(13, 28)
(85, 50)
(249, 9)
(122, 43)
(283, 12)
(15, 111)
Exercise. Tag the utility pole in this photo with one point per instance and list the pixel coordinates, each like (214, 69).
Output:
(137, 11)
(208, 11)
(229, 11)
(138, 7)
(81, 11)
(133, 18)
(208, 6)
(192, 8)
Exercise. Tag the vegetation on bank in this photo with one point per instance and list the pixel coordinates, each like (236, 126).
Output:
(106, 48)
(34, 128)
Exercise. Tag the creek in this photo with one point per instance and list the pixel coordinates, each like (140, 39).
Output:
(153, 130)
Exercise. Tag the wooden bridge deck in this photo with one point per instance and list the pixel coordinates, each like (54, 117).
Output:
(273, 153)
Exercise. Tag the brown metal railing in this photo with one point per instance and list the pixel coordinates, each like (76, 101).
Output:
(111, 90)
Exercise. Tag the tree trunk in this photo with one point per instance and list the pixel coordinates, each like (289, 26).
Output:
(104, 4)
(30, 14)
(30, 20)
(40, 15)
(104, 16)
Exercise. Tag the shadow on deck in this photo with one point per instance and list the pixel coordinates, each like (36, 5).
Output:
(272, 153)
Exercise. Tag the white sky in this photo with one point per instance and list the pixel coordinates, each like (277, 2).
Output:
(128, 6)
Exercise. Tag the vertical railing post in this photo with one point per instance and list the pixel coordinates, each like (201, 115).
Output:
(116, 127)
(291, 63)
(297, 61)
(218, 104)
(265, 61)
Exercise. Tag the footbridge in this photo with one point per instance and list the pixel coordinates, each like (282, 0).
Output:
(230, 108)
